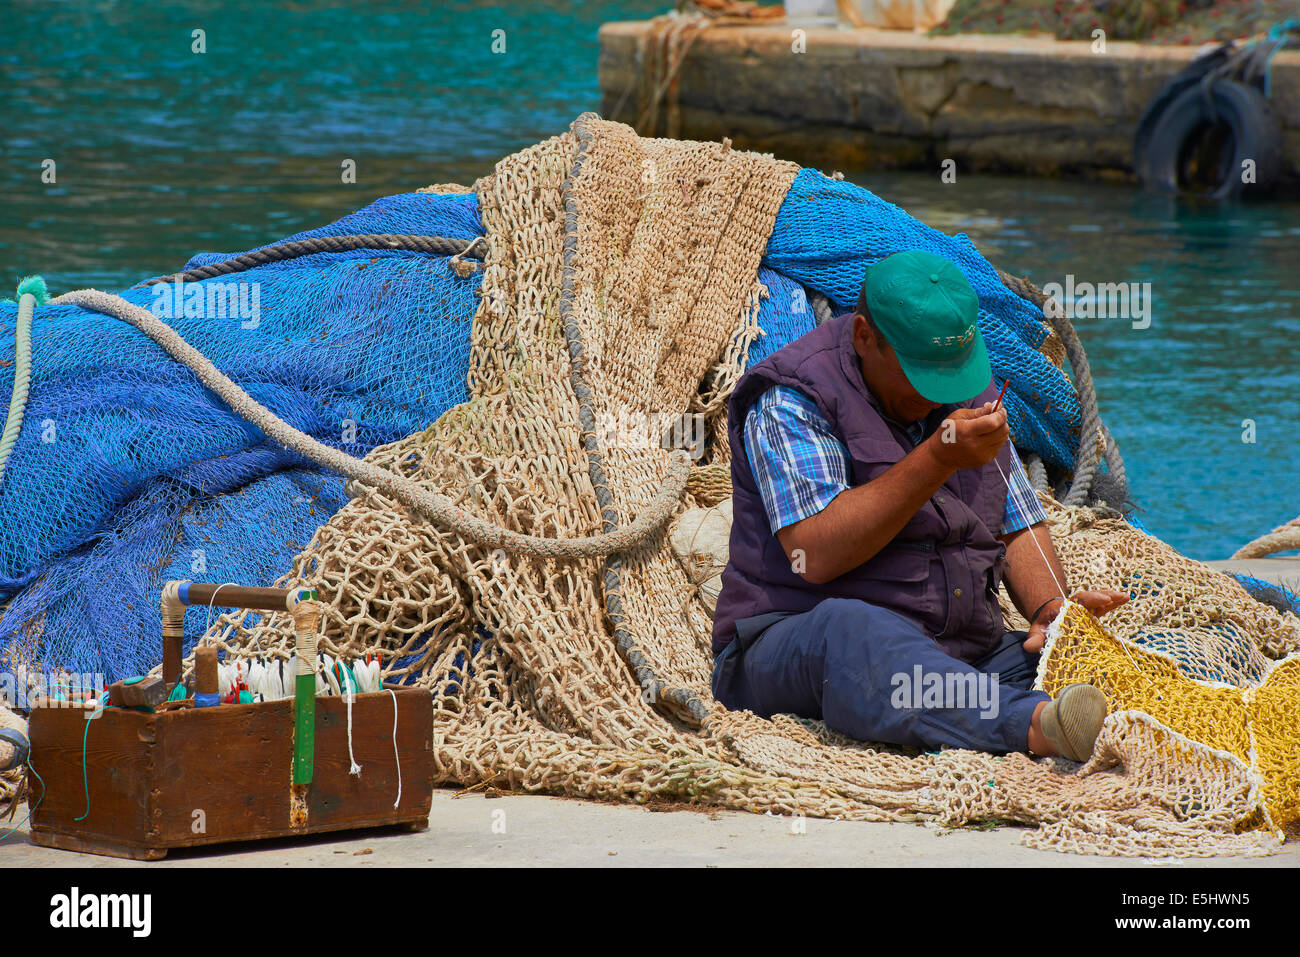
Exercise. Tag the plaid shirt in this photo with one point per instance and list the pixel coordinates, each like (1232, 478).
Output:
(800, 465)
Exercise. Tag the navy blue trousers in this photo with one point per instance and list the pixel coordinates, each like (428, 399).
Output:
(875, 675)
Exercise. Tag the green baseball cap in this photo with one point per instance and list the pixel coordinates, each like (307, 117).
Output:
(926, 310)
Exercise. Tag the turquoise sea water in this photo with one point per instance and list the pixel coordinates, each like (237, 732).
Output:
(162, 152)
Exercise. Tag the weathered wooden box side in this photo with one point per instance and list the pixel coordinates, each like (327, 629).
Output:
(221, 774)
(211, 775)
(107, 801)
(338, 799)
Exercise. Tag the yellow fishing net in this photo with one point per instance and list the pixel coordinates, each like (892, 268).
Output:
(1258, 724)
(620, 286)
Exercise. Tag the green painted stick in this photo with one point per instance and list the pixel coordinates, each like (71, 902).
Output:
(306, 617)
(304, 728)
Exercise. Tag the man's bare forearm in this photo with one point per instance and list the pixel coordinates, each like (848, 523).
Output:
(1030, 580)
(861, 521)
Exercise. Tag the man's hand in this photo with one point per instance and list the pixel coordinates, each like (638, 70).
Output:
(1099, 601)
(969, 438)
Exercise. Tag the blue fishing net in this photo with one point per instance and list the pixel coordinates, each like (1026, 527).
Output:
(128, 472)
(1279, 596)
(829, 231)
(784, 315)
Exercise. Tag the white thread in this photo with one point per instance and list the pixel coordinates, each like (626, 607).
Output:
(208, 624)
(331, 679)
(257, 679)
(322, 686)
(368, 676)
(1122, 644)
(1037, 543)
(268, 688)
(356, 768)
(397, 757)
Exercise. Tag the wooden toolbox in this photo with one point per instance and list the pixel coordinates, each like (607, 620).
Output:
(208, 775)
(134, 783)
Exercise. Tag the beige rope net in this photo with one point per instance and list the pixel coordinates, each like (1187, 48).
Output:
(590, 676)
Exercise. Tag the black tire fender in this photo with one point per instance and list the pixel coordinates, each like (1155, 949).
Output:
(1190, 76)
(1254, 127)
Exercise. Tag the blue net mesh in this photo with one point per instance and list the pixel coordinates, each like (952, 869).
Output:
(784, 316)
(829, 231)
(1279, 596)
(128, 472)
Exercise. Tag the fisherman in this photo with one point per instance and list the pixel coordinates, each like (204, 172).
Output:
(878, 504)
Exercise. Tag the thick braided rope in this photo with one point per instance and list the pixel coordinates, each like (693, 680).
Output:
(1037, 473)
(821, 308)
(22, 378)
(433, 506)
(1281, 539)
(435, 245)
(1090, 451)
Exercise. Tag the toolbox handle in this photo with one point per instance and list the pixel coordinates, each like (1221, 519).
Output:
(177, 595)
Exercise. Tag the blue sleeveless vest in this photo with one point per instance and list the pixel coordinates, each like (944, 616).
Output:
(942, 570)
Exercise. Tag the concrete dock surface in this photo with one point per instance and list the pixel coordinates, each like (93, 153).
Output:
(516, 830)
